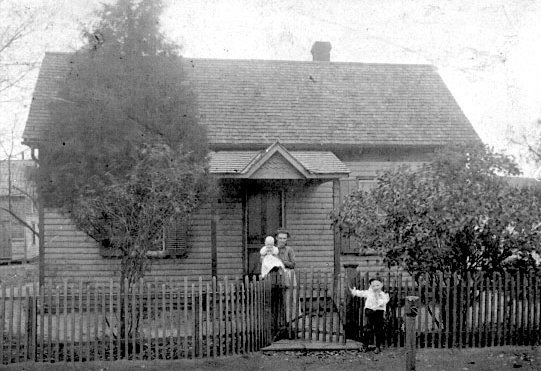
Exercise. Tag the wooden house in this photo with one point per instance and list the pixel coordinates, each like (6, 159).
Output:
(17, 243)
(289, 139)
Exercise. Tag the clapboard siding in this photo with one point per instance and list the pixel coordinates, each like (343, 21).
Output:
(307, 213)
(229, 235)
(372, 168)
(71, 255)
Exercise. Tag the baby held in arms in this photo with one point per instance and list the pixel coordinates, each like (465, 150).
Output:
(269, 257)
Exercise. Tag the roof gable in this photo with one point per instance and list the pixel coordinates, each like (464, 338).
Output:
(276, 162)
(275, 159)
(277, 167)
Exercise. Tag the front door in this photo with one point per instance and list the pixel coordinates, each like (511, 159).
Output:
(264, 215)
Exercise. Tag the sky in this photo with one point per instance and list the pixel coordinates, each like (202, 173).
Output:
(486, 51)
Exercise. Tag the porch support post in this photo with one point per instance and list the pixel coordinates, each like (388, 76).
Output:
(213, 244)
(336, 204)
(244, 228)
(41, 240)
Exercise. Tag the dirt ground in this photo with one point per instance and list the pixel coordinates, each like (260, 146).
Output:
(498, 358)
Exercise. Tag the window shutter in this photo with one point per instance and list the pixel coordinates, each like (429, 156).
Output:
(175, 238)
(106, 250)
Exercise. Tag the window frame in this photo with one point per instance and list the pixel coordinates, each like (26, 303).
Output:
(169, 252)
(159, 253)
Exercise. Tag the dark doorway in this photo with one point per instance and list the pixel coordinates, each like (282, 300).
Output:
(264, 214)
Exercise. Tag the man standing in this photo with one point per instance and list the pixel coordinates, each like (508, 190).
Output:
(287, 255)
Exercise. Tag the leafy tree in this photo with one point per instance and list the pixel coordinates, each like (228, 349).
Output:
(125, 155)
(457, 213)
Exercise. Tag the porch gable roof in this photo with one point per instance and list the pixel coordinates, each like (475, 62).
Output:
(251, 164)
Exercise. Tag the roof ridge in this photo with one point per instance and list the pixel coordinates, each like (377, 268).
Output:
(312, 62)
(259, 60)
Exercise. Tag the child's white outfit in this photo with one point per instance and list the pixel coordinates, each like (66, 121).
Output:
(374, 309)
(269, 260)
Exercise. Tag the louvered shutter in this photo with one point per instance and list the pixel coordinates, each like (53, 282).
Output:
(175, 238)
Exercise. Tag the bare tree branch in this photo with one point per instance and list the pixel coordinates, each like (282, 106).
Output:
(20, 220)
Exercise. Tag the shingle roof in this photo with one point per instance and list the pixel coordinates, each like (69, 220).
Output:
(320, 162)
(253, 103)
(314, 162)
(230, 162)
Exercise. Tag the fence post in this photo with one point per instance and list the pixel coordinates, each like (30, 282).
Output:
(30, 329)
(352, 328)
(411, 314)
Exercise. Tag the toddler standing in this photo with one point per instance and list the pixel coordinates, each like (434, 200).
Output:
(374, 309)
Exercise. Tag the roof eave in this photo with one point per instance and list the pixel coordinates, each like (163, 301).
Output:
(329, 146)
(308, 176)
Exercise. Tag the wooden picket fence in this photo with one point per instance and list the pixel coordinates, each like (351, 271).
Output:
(312, 308)
(475, 311)
(79, 322)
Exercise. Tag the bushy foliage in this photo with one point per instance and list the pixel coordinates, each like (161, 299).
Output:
(125, 154)
(457, 213)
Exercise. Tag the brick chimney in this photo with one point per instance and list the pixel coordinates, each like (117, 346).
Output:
(321, 51)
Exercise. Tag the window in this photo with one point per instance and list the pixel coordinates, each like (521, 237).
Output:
(365, 183)
(172, 242)
(17, 231)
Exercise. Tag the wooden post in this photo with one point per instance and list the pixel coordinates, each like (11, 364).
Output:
(337, 238)
(411, 314)
(352, 327)
(30, 329)
(41, 239)
(213, 243)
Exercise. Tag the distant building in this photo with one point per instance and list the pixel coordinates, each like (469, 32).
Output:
(17, 242)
